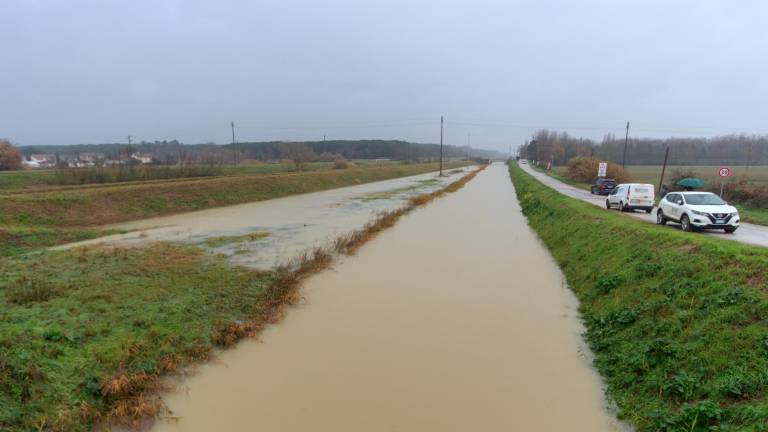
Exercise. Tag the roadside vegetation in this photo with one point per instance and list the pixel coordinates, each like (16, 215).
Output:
(49, 218)
(88, 333)
(678, 323)
(750, 197)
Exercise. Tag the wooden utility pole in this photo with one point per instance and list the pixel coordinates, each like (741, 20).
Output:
(469, 147)
(626, 139)
(441, 146)
(129, 139)
(234, 147)
(663, 170)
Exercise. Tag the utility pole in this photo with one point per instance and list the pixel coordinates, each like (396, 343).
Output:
(323, 137)
(663, 170)
(469, 147)
(626, 138)
(129, 139)
(441, 146)
(234, 148)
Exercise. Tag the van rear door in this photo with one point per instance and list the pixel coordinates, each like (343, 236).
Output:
(641, 195)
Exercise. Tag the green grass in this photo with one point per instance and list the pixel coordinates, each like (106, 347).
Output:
(215, 242)
(18, 180)
(678, 322)
(753, 215)
(73, 319)
(17, 240)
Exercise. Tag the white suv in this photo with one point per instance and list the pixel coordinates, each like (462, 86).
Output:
(694, 210)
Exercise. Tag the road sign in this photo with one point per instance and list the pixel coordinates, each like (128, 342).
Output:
(602, 169)
(724, 172)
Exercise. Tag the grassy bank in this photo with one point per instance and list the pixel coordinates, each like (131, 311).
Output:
(678, 322)
(44, 179)
(48, 218)
(86, 334)
(97, 206)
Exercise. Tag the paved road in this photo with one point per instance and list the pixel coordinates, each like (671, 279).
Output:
(747, 233)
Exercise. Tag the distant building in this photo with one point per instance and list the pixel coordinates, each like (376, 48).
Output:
(41, 161)
(144, 158)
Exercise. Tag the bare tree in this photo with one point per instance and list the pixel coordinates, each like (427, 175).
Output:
(299, 153)
(10, 156)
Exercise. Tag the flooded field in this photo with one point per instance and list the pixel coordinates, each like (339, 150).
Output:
(266, 233)
(456, 319)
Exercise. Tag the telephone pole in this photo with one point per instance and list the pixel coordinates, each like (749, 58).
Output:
(129, 139)
(469, 146)
(234, 147)
(441, 146)
(626, 138)
(663, 170)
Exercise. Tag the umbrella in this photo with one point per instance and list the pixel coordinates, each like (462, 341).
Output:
(691, 183)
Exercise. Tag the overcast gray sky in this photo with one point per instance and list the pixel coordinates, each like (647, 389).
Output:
(96, 71)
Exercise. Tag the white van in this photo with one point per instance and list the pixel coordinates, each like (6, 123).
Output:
(631, 196)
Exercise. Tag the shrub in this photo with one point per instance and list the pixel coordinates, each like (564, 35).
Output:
(681, 173)
(339, 162)
(584, 169)
(10, 157)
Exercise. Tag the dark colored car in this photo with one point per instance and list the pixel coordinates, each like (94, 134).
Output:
(602, 186)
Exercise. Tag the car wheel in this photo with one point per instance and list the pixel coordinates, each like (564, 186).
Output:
(608, 204)
(685, 224)
(660, 219)
(730, 230)
(622, 208)
(649, 210)
(592, 191)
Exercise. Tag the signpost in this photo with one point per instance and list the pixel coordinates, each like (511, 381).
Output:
(602, 169)
(723, 173)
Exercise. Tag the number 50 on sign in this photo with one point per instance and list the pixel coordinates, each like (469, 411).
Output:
(724, 172)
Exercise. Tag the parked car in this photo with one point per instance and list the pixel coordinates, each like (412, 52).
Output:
(697, 210)
(602, 186)
(631, 196)
(523, 161)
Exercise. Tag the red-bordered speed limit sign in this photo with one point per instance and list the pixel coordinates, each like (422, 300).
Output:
(724, 172)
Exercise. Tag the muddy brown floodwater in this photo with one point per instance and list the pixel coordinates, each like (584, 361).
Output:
(456, 319)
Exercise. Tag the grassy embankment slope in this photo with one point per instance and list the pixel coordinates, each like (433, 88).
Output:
(86, 333)
(46, 218)
(678, 322)
(650, 174)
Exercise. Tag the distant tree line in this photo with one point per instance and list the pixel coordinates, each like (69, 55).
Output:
(174, 152)
(559, 147)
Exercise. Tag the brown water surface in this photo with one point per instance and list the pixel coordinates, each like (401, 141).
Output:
(456, 319)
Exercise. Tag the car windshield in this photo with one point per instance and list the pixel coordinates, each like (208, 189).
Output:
(703, 199)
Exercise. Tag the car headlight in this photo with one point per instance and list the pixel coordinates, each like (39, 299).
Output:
(735, 214)
(696, 212)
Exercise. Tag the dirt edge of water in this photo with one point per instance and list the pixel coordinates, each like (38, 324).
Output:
(135, 398)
